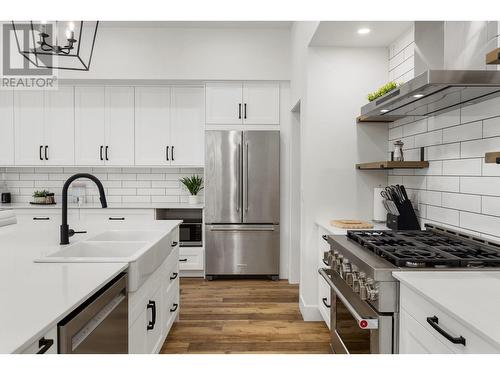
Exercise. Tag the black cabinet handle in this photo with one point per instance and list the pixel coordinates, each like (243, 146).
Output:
(40, 153)
(325, 262)
(325, 237)
(152, 305)
(183, 260)
(239, 111)
(434, 323)
(245, 112)
(116, 218)
(174, 276)
(324, 299)
(174, 307)
(106, 152)
(166, 152)
(173, 153)
(174, 244)
(100, 152)
(44, 345)
(46, 153)
(41, 218)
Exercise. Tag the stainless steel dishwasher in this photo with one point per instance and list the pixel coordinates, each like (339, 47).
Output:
(100, 324)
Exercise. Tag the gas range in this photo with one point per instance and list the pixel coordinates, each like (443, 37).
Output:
(359, 272)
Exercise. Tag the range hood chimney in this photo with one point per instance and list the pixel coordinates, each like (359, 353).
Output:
(434, 88)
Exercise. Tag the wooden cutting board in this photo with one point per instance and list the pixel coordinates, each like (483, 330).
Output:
(351, 224)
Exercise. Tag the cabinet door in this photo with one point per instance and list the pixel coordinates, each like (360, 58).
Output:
(224, 103)
(188, 126)
(89, 125)
(7, 128)
(119, 145)
(59, 127)
(152, 126)
(28, 127)
(155, 320)
(261, 103)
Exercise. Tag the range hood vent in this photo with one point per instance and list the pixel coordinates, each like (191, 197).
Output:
(431, 92)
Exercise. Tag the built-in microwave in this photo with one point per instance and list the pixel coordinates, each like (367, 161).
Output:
(191, 229)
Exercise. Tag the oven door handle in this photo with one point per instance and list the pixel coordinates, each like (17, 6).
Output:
(369, 321)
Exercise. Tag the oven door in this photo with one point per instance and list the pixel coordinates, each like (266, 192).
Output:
(356, 328)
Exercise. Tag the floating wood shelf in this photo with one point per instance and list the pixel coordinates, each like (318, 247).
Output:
(492, 157)
(493, 57)
(393, 165)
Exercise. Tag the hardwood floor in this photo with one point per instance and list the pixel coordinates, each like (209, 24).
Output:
(243, 316)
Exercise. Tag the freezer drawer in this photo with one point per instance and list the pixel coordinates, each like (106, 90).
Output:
(242, 249)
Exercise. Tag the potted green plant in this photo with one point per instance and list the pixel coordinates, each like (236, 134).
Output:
(193, 184)
(40, 196)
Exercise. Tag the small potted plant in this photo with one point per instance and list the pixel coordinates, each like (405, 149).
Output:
(194, 184)
(40, 196)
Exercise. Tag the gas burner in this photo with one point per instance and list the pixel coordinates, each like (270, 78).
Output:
(415, 264)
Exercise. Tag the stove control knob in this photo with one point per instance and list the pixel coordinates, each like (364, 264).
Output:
(338, 263)
(370, 292)
(345, 269)
(352, 278)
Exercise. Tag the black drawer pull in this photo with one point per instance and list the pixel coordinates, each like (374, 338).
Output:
(325, 262)
(324, 299)
(239, 111)
(116, 218)
(106, 152)
(41, 218)
(174, 244)
(40, 152)
(44, 345)
(46, 152)
(100, 152)
(325, 237)
(434, 323)
(174, 307)
(174, 276)
(152, 305)
(183, 260)
(166, 152)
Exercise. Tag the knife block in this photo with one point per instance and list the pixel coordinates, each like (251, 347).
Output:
(406, 220)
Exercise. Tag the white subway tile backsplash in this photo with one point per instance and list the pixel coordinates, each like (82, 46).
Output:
(166, 184)
(430, 197)
(444, 120)
(429, 138)
(441, 183)
(477, 149)
(480, 185)
(491, 169)
(462, 167)
(473, 130)
(122, 176)
(165, 199)
(491, 127)
(396, 133)
(435, 169)
(491, 206)
(136, 199)
(136, 184)
(123, 191)
(462, 202)
(156, 191)
(414, 182)
(441, 152)
(480, 111)
(443, 215)
(415, 128)
(150, 176)
(480, 223)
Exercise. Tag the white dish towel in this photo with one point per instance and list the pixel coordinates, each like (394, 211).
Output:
(7, 217)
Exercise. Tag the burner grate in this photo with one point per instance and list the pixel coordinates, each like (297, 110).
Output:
(426, 249)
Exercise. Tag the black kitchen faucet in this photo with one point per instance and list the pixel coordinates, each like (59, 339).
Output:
(66, 233)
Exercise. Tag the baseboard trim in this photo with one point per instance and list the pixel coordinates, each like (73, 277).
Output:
(310, 313)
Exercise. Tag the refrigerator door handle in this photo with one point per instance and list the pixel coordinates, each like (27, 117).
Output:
(239, 228)
(246, 179)
(238, 203)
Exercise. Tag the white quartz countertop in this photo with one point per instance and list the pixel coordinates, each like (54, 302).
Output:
(7, 206)
(471, 297)
(35, 296)
(325, 224)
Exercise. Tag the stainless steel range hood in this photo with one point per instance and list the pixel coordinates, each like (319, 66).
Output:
(431, 92)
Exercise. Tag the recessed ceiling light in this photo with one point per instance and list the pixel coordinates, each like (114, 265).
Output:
(384, 110)
(364, 30)
(418, 96)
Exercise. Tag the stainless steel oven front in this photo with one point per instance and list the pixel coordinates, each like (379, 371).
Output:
(356, 328)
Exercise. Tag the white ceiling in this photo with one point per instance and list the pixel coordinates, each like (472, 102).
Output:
(200, 24)
(345, 33)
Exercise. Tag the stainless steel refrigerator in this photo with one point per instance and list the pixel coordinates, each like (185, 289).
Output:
(242, 203)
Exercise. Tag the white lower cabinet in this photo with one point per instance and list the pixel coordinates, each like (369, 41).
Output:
(324, 298)
(191, 259)
(426, 328)
(154, 307)
(45, 343)
(41, 215)
(116, 217)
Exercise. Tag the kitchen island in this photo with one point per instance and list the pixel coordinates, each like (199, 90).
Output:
(36, 296)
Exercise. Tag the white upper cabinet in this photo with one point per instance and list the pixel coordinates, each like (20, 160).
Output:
(59, 127)
(253, 103)
(187, 129)
(28, 127)
(89, 125)
(224, 103)
(6, 128)
(119, 127)
(152, 126)
(261, 103)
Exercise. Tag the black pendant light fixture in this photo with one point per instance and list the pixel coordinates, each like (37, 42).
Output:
(57, 45)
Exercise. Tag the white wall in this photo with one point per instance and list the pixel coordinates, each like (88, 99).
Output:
(338, 80)
(189, 53)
